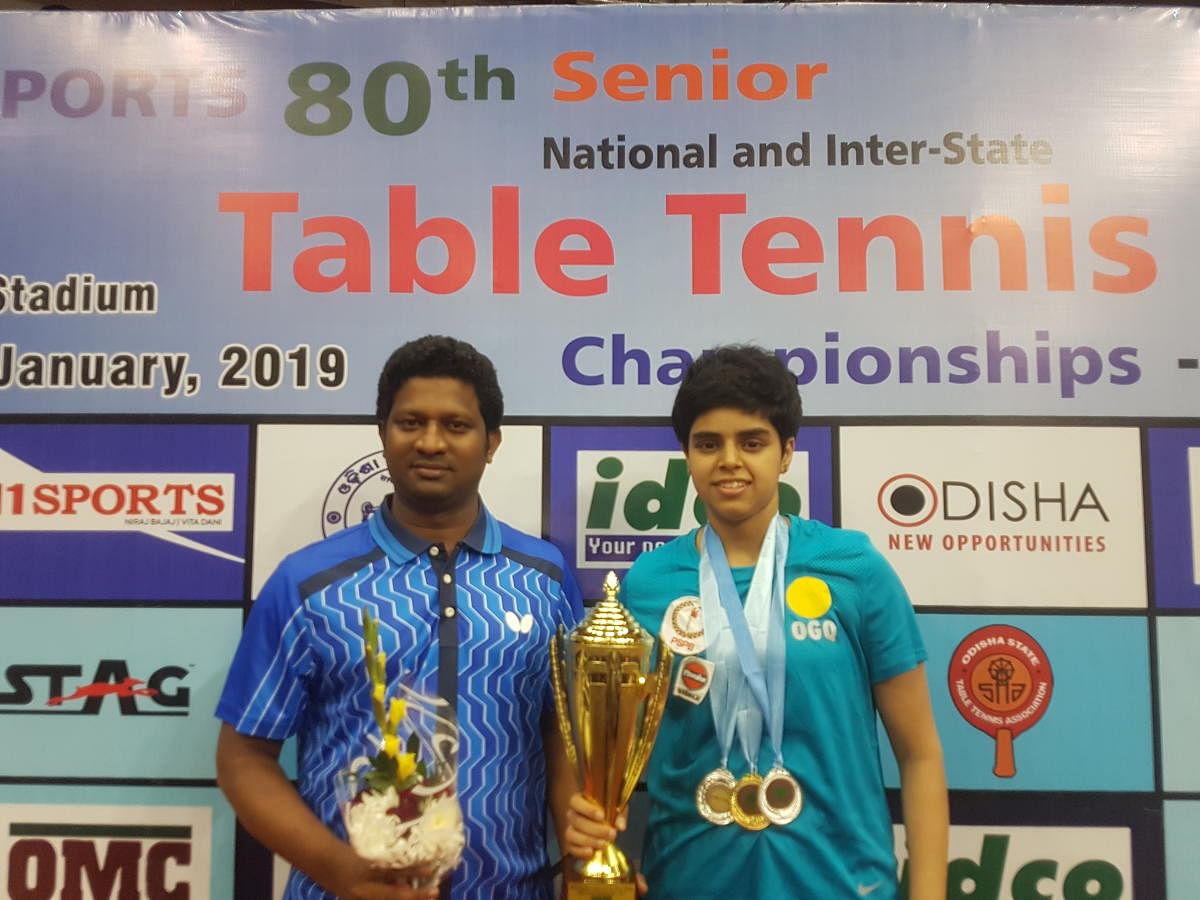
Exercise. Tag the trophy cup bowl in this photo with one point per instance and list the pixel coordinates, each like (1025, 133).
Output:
(609, 702)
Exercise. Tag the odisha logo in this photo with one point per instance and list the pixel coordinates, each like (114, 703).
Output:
(909, 501)
(1001, 683)
(355, 493)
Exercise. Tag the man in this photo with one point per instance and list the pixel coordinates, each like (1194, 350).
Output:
(444, 579)
(765, 780)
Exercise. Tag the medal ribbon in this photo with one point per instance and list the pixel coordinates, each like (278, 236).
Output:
(745, 637)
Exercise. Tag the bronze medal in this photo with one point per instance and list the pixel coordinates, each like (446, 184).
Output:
(744, 803)
(779, 796)
(714, 796)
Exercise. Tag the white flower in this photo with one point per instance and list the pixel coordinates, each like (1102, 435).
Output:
(435, 837)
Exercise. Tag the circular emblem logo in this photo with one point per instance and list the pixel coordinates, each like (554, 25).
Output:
(1001, 683)
(683, 626)
(694, 675)
(809, 597)
(907, 500)
(355, 493)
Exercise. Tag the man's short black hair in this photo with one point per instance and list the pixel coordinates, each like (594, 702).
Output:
(438, 356)
(738, 376)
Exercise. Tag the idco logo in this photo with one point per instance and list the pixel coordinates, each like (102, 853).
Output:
(632, 501)
(100, 862)
(997, 877)
(909, 500)
(34, 686)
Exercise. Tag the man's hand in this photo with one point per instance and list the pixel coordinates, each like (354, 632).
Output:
(368, 881)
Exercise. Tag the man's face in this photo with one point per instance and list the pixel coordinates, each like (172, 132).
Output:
(436, 445)
(735, 460)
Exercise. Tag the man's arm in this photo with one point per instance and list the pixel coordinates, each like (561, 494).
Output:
(271, 809)
(560, 778)
(903, 704)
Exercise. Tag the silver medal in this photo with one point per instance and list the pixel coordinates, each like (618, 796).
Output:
(714, 796)
(779, 796)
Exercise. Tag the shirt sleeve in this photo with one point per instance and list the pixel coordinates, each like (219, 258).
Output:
(571, 607)
(892, 640)
(265, 691)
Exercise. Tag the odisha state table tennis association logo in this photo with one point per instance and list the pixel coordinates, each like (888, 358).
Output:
(106, 852)
(1001, 683)
(355, 493)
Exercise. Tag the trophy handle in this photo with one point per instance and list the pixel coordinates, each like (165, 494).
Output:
(656, 700)
(558, 683)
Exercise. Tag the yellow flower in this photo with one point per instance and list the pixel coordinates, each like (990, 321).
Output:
(396, 713)
(406, 764)
(381, 661)
(377, 694)
(391, 746)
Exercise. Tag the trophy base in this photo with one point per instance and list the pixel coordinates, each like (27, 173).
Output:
(606, 876)
(583, 890)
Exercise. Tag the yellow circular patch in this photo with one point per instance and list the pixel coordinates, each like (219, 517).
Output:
(809, 597)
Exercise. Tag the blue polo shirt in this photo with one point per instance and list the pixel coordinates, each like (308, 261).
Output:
(299, 671)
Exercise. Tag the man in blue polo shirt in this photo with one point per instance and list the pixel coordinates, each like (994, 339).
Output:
(446, 581)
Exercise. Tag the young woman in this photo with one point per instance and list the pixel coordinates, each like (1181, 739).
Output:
(765, 779)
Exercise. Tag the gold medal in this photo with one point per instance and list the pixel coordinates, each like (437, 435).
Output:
(714, 796)
(779, 796)
(744, 806)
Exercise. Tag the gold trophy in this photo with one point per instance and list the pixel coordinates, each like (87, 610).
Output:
(609, 705)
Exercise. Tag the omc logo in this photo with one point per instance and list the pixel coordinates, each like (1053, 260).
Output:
(106, 853)
(631, 501)
(909, 500)
(59, 689)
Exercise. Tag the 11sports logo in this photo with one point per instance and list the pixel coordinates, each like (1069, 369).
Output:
(159, 504)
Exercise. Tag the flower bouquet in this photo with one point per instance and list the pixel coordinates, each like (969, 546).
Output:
(399, 804)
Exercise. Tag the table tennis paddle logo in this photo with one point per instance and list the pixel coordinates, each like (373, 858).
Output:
(1001, 683)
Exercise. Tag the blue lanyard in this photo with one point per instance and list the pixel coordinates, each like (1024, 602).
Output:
(755, 692)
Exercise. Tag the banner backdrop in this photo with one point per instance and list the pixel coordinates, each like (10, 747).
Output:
(967, 231)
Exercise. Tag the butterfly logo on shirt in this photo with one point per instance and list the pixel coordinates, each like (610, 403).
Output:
(518, 624)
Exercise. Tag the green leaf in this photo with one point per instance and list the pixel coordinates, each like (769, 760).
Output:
(377, 781)
(413, 744)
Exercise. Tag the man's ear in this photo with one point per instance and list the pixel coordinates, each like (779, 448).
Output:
(493, 442)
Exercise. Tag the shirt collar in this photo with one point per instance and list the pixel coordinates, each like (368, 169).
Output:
(402, 544)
